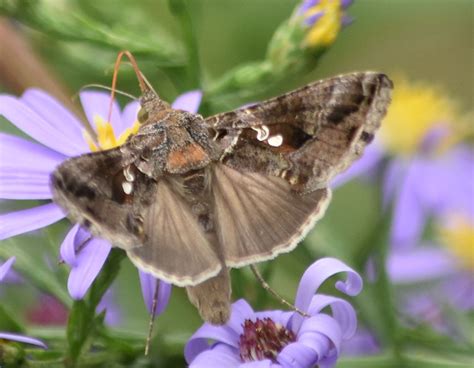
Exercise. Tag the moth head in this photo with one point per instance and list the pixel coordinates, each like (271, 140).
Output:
(151, 104)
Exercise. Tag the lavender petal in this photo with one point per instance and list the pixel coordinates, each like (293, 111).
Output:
(52, 111)
(148, 284)
(67, 250)
(96, 104)
(342, 312)
(325, 325)
(22, 338)
(19, 222)
(220, 356)
(25, 168)
(44, 131)
(420, 264)
(314, 277)
(408, 215)
(5, 267)
(394, 174)
(129, 114)
(188, 101)
(89, 262)
(318, 343)
(297, 355)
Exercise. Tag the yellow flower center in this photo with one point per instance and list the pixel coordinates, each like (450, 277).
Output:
(106, 138)
(327, 27)
(414, 111)
(459, 238)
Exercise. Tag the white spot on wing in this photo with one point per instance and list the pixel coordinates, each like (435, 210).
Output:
(128, 174)
(276, 140)
(127, 187)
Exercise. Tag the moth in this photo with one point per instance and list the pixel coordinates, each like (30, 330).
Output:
(189, 197)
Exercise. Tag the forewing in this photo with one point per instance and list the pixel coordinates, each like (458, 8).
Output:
(176, 248)
(306, 136)
(259, 217)
(92, 188)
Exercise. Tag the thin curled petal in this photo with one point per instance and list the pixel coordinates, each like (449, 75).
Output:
(319, 344)
(297, 355)
(25, 168)
(96, 104)
(325, 325)
(23, 339)
(315, 276)
(148, 284)
(226, 334)
(342, 311)
(220, 356)
(89, 262)
(188, 101)
(67, 250)
(23, 221)
(40, 129)
(5, 267)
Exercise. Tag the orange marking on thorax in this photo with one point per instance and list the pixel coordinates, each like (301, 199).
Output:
(189, 155)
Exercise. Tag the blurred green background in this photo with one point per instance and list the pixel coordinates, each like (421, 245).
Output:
(427, 40)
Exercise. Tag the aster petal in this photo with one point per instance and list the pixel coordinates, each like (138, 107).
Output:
(362, 343)
(420, 264)
(148, 285)
(393, 177)
(297, 355)
(227, 334)
(52, 111)
(23, 339)
(96, 104)
(408, 215)
(342, 311)
(188, 101)
(371, 158)
(89, 262)
(25, 168)
(5, 267)
(313, 278)
(23, 221)
(43, 131)
(318, 344)
(129, 114)
(325, 325)
(219, 356)
(67, 250)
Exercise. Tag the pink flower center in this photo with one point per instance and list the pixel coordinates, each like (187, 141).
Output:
(263, 339)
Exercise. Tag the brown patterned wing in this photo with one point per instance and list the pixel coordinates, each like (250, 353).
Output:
(306, 136)
(258, 217)
(279, 156)
(175, 249)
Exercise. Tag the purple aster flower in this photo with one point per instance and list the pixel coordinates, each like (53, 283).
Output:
(282, 338)
(4, 269)
(26, 166)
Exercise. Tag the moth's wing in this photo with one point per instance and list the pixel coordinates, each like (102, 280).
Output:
(306, 136)
(90, 188)
(258, 217)
(175, 249)
(279, 156)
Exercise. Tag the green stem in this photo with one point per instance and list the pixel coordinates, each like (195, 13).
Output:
(83, 322)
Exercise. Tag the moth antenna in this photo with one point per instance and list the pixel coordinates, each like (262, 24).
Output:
(152, 318)
(95, 85)
(142, 81)
(268, 288)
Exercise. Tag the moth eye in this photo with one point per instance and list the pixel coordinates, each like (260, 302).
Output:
(142, 115)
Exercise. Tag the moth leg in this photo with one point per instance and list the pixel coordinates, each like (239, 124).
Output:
(212, 298)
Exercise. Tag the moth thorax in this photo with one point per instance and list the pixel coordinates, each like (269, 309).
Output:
(263, 339)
